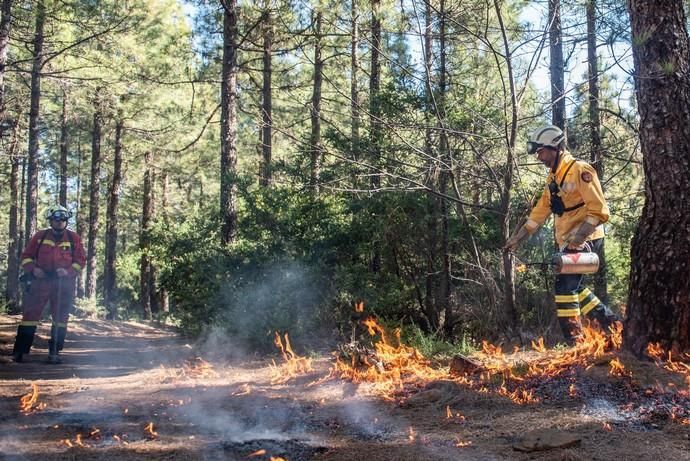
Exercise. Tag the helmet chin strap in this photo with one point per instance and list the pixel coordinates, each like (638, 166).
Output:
(555, 164)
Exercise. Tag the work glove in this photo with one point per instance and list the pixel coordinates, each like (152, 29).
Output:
(38, 273)
(579, 237)
(516, 239)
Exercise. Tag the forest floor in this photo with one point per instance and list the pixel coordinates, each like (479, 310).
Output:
(118, 377)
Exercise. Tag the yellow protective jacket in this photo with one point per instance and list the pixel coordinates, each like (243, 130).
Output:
(581, 185)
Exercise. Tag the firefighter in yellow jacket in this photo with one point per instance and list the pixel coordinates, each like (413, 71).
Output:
(573, 194)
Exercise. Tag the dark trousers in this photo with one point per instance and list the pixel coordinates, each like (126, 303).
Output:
(574, 300)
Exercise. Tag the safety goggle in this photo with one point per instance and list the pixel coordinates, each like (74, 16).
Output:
(61, 216)
(533, 147)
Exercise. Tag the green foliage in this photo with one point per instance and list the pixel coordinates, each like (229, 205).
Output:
(89, 308)
(274, 278)
(433, 346)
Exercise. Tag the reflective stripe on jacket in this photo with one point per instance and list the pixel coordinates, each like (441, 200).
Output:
(53, 253)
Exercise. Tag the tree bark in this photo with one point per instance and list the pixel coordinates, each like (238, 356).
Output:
(659, 292)
(510, 138)
(146, 270)
(5, 27)
(446, 284)
(430, 306)
(374, 89)
(82, 223)
(12, 287)
(375, 134)
(354, 88)
(63, 152)
(94, 206)
(109, 271)
(267, 102)
(315, 139)
(34, 113)
(556, 66)
(596, 157)
(228, 124)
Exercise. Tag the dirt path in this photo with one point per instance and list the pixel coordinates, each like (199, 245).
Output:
(119, 377)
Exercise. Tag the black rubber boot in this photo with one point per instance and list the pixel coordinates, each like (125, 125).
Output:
(55, 344)
(23, 342)
(604, 316)
(570, 326)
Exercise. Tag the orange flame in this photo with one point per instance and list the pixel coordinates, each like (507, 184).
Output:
(539, 345)
(411, 434)
(572, 390)
(461, 444)
(257, 453)
(29, 402)
(118, 439)
(617, 368)
(198, 368)
(655, 351)
(392, 367)
(359, 307)
(457, 416)
(293, 365)
(151, 432)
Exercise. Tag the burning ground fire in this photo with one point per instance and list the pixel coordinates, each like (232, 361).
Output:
(394, 367)
(194, 368)
(29, 403)
(293, 365)
(395, 371)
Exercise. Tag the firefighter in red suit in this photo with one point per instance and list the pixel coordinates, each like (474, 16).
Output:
(51, 263)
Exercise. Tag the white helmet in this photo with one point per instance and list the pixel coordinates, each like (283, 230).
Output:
(546, 136)
(58, 213)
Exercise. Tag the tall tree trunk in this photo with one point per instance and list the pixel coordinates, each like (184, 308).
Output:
(267, 101)
(315, 140)
(5, 27)
(165, 200)
(446, 284)
(144, 241)
(109, 274)
(94, 205)
(34, 113)
(162, 212)
(63, 152)
(596, 157)
(510, 137)
(659, 293)
(430, 306)
(375, 134)
(22, 199)
(228, 124)
(556, 66)
(374, 89)
(82, 222)
(354, 88)
(12, 287)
